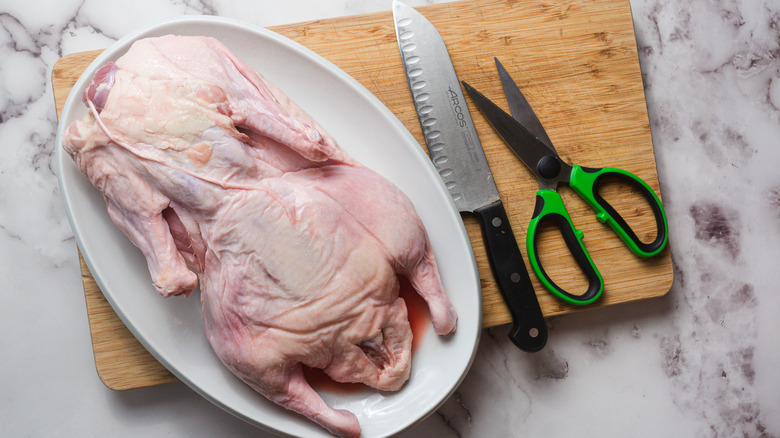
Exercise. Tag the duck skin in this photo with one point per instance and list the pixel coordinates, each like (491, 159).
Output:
(221, 181)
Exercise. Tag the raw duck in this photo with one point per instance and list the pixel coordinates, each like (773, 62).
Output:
(220, 180)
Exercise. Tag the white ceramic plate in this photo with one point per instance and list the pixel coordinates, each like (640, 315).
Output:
(171, 329)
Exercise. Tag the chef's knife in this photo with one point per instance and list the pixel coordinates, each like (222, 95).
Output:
(458, 157)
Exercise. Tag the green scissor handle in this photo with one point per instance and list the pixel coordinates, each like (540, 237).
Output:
(549, 207)
(585, 182)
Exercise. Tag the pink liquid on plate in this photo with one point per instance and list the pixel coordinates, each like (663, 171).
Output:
(419, 320)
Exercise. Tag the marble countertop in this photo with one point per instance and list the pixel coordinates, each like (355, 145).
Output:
(700, 361)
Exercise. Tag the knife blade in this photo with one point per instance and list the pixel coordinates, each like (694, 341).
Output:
(457, 155)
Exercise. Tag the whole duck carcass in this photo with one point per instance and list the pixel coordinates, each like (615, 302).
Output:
(219, 179)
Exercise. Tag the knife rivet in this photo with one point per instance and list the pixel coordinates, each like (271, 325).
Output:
(515, 277)
(496, 222)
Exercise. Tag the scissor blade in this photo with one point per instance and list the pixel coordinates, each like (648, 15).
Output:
(525, 144)
(520, 108)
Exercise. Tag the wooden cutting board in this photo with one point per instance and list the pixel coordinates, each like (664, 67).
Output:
(577, 63)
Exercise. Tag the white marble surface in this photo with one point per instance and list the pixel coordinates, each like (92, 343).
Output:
(701, 361)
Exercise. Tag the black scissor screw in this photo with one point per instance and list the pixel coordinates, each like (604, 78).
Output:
(549, 167)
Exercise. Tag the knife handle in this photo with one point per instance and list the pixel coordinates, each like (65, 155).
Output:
(529, 330)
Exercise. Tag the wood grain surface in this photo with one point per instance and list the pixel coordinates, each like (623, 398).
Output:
(576, 62)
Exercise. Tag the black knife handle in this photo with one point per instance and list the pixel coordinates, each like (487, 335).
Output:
(529, 331)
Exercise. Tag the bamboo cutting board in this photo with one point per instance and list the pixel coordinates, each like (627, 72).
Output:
(576, 61)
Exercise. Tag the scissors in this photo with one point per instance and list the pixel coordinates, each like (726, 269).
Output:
(524, 134)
